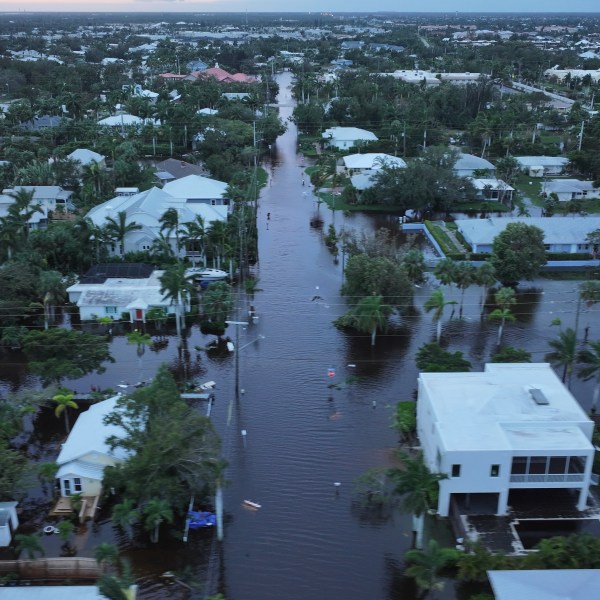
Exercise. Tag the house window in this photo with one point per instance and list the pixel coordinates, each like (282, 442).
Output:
(77, 485)
(495, 471)
(110, 310)
(455, 470)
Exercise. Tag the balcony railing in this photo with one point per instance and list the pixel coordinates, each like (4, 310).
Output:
(561, 478)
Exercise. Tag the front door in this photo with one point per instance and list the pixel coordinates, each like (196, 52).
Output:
(67, 486)
(139, 314)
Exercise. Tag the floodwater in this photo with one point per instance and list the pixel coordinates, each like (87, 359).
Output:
(293, 435)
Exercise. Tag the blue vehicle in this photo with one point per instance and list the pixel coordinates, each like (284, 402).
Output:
(200, 519)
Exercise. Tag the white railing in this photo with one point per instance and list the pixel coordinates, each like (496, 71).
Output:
(561, 478)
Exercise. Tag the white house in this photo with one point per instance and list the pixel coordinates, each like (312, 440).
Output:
(86, 453)
(538, 166)
(570, 189)
(114, 289)
(368, 163)
(510, 427)
(126, 120)
(49, 198)
(190, 196)
(467, 164)
(344, 138)
(561, 234)
(87, 157)
(545, 584)
(493, 189)
(9, 521)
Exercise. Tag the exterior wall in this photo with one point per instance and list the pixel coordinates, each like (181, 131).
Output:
(89, 487)
(90, 313)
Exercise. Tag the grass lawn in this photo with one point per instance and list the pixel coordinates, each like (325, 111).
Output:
(529, 187)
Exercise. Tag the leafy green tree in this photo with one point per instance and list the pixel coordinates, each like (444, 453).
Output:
(413, 263)
(29, 544)
(379, 276)
(475, 564)
(141, 340)
(63, 403)
(425, 565)
(436, 303)
(156, 511)
(106, 554)
(564, 353)
(13, 470)
(405, 419)
(518, 253)
(171, 447)
(418, 488)
(58, 353)
(47, 474)
(372, 488)
(577, 551)
(505, 298)
(511, 355)
(590, 357)
(432, 358)
(111, 588)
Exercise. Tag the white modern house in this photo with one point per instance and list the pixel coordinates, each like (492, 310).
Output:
(112, 292)
(571, 189)
(191, 196)
(86, 453)
(539, 166)
(368, 163)
(49, 198)
(561, 234)
(467, 164)
(344, 138)
(510, 427)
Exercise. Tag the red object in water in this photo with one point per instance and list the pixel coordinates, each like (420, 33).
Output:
(330, 373)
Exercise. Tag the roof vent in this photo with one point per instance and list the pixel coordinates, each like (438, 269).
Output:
(538, 396)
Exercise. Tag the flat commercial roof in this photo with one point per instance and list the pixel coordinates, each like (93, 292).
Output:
(495, 410)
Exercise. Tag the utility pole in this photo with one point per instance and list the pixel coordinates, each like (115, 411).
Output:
(237, 355)
(581, 135)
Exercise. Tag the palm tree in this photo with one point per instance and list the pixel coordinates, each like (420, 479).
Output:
(29, 544)
(591, 358)
(564, 353)
(413, 264)
(117, 229)
(169, 223)
(177, 287)
(53, 289)
(424, 565)
(589, 292)
(217, 236)
(106, 554)
(217, 303)
(444, 271)
(193, 238)
(370, 314)
(141, 340)
(505, 298)
(22, 209)
(156, 511)
(124, 515)
(463, 277)
(419, 487)
(437, 303)
(63, 403)
(485, 277)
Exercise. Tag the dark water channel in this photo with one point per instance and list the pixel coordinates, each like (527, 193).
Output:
(307, 541)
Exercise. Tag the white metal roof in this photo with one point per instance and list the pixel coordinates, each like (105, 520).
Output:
(85, 156)
(348, 134)
(494, 409)
(372, 160)
(542, 161)
(89, 434)
(196, 187)
(472, 162)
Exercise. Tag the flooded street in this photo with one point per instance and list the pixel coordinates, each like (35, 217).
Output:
(291, 436)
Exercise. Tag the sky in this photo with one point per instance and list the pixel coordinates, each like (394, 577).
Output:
(158, 6)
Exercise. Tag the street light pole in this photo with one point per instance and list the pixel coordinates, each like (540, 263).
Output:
(237, 355)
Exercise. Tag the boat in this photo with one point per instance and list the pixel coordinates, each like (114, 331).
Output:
(199, 519)
(252, 504)
(206, 274)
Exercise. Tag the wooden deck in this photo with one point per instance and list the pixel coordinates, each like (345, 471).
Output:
(88, 508)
